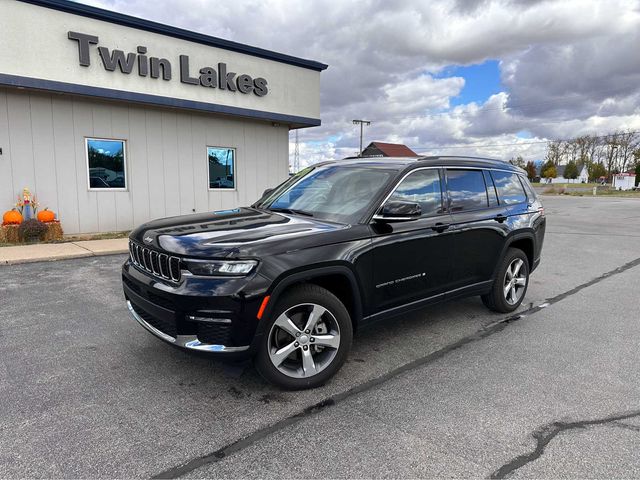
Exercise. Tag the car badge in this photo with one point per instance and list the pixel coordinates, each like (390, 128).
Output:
(148, 239)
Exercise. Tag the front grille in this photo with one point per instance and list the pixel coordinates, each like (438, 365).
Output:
(213, 333)
(167, 327)
(158, 264)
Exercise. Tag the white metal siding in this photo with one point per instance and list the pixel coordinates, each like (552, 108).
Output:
(42, 137)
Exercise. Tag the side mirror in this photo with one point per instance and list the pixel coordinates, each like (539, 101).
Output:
(398, 211)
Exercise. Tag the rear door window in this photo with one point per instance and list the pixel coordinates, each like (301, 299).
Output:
(466, 190)
(510, 190)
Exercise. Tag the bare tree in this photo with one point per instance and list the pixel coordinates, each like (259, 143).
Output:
(627, 144)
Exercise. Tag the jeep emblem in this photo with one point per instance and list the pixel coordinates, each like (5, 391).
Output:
(148, 239)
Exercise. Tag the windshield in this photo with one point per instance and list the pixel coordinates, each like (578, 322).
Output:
(335, 193)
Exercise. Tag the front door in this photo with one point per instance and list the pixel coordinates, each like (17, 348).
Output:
(412, 259)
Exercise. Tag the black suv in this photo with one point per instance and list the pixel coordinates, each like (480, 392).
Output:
(339, 244)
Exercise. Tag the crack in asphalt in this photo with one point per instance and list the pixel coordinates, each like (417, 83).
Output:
(484, 332)
(547, 433)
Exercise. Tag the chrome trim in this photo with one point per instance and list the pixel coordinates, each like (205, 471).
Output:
(190, 342)
(149, 327)
(443, 188)
(151, 261)
(382, 218)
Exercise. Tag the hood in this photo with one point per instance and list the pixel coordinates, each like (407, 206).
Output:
(241, 232)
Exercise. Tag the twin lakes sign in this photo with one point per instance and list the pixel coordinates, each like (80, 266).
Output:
(156, 67)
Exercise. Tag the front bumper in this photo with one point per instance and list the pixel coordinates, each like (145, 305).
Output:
(214, 316)
(189, 342)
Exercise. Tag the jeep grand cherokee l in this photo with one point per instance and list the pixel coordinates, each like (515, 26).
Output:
(288, 279)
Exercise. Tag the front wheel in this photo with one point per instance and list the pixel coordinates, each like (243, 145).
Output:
(510, 284)
(308, 339)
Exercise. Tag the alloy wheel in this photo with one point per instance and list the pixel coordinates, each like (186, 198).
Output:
(303, 340)
(515, 282)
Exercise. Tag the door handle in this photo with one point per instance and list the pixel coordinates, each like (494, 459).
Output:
(440, 227)
(499, 218)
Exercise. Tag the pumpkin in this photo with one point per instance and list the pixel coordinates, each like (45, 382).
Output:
(12, 217)
(46, 215)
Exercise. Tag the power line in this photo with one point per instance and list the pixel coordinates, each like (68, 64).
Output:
(481, 145)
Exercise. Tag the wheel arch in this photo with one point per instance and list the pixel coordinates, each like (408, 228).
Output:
(338, 279)
(524, 241)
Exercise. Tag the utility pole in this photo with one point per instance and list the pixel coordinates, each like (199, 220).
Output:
(362, 123)
(296, 155)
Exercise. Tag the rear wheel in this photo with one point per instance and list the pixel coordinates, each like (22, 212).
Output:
(308, 339)
(510, 284)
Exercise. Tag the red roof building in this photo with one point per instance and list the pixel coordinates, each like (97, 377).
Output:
(380, 149)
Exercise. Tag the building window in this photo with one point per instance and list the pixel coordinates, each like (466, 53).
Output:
(222, 167)
(106, 162)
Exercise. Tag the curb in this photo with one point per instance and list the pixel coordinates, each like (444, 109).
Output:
(59, 251)
(60, 257)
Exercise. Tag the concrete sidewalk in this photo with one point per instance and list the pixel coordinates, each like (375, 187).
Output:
(59, 251)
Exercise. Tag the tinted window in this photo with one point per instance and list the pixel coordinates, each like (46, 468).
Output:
(509, 188)
(222, 164)
(106, 161)
(467, 190)
(531, 195)
(491, 189)
(422, 187)
(333, 192)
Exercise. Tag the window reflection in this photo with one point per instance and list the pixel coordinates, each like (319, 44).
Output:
(422, 187)
(467, 190)
(509, 188)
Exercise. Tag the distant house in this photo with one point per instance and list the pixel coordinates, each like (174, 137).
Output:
(583, 176)
(380, 149)
(624, 181)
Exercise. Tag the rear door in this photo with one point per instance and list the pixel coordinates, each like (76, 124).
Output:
(412, 259)
(478, 222)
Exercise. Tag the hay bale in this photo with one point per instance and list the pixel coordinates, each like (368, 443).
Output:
(54, 232)
(9, 234)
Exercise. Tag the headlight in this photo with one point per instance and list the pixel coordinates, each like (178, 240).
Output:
(221, 267)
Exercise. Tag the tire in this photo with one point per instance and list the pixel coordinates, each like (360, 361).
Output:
(501, 298)
(294, 357)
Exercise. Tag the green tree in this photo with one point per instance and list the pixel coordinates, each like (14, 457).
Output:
(637, 174)
(571, 170)
(550, 172)
(548, 169)
(531, 170)
(597, 170)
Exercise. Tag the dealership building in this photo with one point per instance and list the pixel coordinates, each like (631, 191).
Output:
(112, 120)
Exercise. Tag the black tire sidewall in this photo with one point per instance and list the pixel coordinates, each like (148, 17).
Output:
(305, 294)
(500, 303)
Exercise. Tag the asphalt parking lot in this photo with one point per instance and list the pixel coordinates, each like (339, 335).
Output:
(452, 390)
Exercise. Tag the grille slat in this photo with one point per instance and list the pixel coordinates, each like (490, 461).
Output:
(158, 264)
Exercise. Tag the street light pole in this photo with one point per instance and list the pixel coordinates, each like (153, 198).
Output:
(362, 123)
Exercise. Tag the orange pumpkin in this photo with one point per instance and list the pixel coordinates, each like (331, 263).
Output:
(12, 217)
(46, 215)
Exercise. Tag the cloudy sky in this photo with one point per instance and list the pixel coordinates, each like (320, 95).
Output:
(489, 78)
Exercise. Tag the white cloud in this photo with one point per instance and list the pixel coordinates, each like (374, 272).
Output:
(568, 67)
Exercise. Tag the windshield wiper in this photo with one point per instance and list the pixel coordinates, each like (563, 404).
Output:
(292, 210)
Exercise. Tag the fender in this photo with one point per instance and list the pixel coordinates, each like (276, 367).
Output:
(514, 237)
(286, 280)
